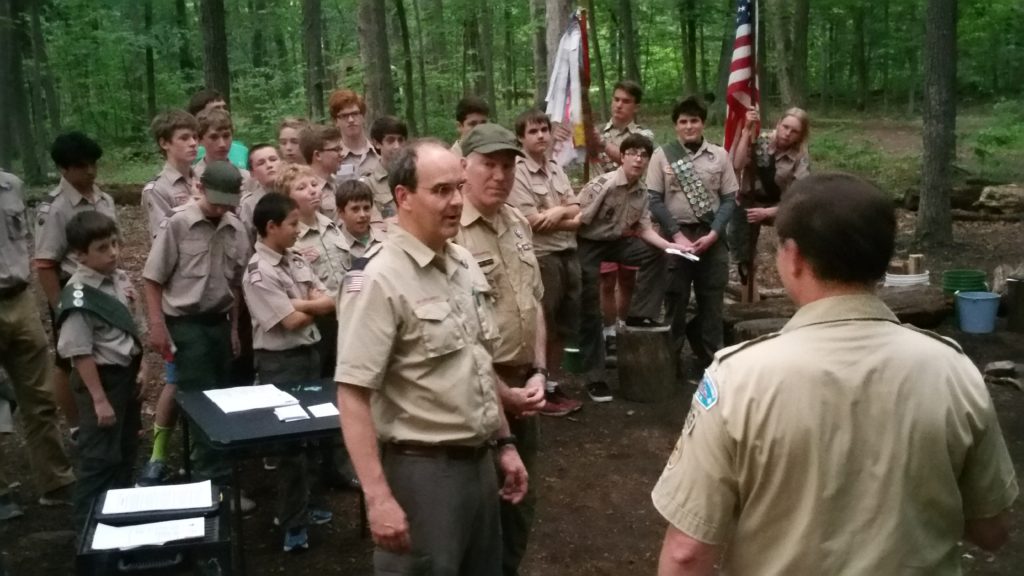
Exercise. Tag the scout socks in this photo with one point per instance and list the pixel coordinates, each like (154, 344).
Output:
(161, 435)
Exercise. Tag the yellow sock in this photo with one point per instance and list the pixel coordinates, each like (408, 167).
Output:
(160, 437)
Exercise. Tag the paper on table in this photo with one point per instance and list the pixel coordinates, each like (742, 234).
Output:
(290, 413)
(173, 497)
(322, 410)
(111, 537)
(686, 255)
(242, 398)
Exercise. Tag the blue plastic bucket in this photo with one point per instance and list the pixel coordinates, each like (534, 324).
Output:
(977, 311)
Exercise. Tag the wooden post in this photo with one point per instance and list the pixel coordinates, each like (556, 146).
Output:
(647, 362)
(1014, 300)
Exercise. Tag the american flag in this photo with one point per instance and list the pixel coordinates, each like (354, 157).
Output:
(742, 91)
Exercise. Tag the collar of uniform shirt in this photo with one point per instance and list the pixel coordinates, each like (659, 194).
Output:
(864, 306)
(92, 277)
(172, 175)
(322, 223)
(422, 254)
(195, 216)
(77, 197)
(272, 256)
(471, 214)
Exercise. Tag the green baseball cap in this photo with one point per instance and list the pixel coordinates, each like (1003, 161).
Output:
(490, 138)
(222, 183)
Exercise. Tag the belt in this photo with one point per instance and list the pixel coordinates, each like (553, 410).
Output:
(12, 291)
(438, 451)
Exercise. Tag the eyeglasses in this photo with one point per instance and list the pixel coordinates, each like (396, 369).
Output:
(349, 116)
(332, 149)
(638, 154)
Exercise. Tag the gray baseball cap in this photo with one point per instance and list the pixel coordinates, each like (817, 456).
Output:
(222, 183)
(490, 138)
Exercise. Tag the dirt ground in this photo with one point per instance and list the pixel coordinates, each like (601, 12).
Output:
(598, 467)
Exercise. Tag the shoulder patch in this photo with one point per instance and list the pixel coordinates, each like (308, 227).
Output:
(353, 281)
(947, 341)
(252, 267)
(707, 393)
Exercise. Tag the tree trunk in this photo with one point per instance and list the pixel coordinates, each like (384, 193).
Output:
(557, 16)
(373, 44)
(540, 52)
(510, 59)
(213, 23)
(798, 64)
(186, 65)
(782, 32)
(42, 63)
(629, 47)
(421, 61)
(860, 57)
(934, 221)
(471, 60)
(313, 53)
(688, 32)
(150, 64)
(258, 11)
(21, 114)
(725, 57)
(602, 83)
(485, 50)
(409, 96)
(7, 112)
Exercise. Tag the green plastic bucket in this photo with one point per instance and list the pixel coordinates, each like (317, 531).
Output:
(977, 311)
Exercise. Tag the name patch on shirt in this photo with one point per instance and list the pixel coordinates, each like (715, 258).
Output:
(707, 392)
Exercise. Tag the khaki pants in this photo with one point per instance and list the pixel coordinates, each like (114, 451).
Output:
(24, 354)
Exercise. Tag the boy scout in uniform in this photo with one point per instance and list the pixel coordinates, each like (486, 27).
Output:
(99, 334)
(470, 112)
(24, 352)
(266, 165)
(544, 195)
(626, 99)
(615, 226)
(359, 239)
(388, 135)
(175, 134)
(321, 147)
(500, 240)
(211, 99)
(192, 282)
(288, 139)
(416, 381)
(285, 297)
(75, 155)
(216, 133)
(357, 156)
(847, 443)
(693, 194)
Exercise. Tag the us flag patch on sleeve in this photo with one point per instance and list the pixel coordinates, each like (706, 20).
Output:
(353, 282)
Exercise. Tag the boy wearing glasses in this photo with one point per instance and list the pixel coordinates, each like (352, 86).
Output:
(693, 194)
(321, 148)
(615, 226)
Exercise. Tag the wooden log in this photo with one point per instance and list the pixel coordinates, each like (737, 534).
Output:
(972, 216)
(922, 306)
(647, 364)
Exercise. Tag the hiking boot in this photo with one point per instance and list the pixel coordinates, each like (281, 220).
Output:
(599, 392)
(296, 539)
(59, 497)
(557, 403)
(153, 473)
(320, 516)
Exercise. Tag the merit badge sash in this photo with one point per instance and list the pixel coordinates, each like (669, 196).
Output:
(693, 187)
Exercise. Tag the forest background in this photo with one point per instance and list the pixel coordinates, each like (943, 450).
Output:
(107, 66)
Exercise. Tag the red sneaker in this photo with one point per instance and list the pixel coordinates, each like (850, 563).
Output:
(559, 404)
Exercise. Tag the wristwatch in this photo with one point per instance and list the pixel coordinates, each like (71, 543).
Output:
(509, 440)
(538, 370)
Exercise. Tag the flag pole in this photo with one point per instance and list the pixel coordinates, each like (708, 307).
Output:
(588, 113)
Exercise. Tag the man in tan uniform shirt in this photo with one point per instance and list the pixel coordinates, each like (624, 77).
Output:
(416, 378)
(501, 241)
(847, 443)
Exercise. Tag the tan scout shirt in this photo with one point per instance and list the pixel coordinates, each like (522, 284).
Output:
(164, 193)
(328, 203)
(84, 334)
(712, 165)
(383, 199)
(613, 135)
(846, 444)
(538, 188)
(272, 280)
(53, 216)
(418, 332)
(503, 248)
(790, 166)
(13, 233)
(252, 193)
(610, 208)
(356, 163)
(198, 262)
(360, 247)
(323, 248)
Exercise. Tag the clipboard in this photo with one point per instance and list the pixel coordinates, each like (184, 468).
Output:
(216, 496)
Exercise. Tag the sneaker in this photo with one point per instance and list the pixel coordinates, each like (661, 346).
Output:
(73, 436)
(599, 392)
(8, 509)
(59, 497)
(296, 539)
(642, 322)
(153, 473)
(320, 516)
(557, 403)
(270, 463)
(248, 504)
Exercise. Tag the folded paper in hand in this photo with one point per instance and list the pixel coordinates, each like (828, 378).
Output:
(686, 255)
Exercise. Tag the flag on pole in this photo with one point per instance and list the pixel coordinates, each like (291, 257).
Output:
(568, 90)
(741, 94)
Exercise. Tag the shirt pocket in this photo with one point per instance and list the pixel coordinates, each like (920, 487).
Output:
(14, 220)
(439, 329)
(713, 180)
(194, 259)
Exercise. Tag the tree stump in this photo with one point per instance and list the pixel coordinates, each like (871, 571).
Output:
(647, 364)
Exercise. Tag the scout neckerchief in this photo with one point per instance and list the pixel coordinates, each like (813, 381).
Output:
(107, 308)
(765, 161)
(696, 194)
